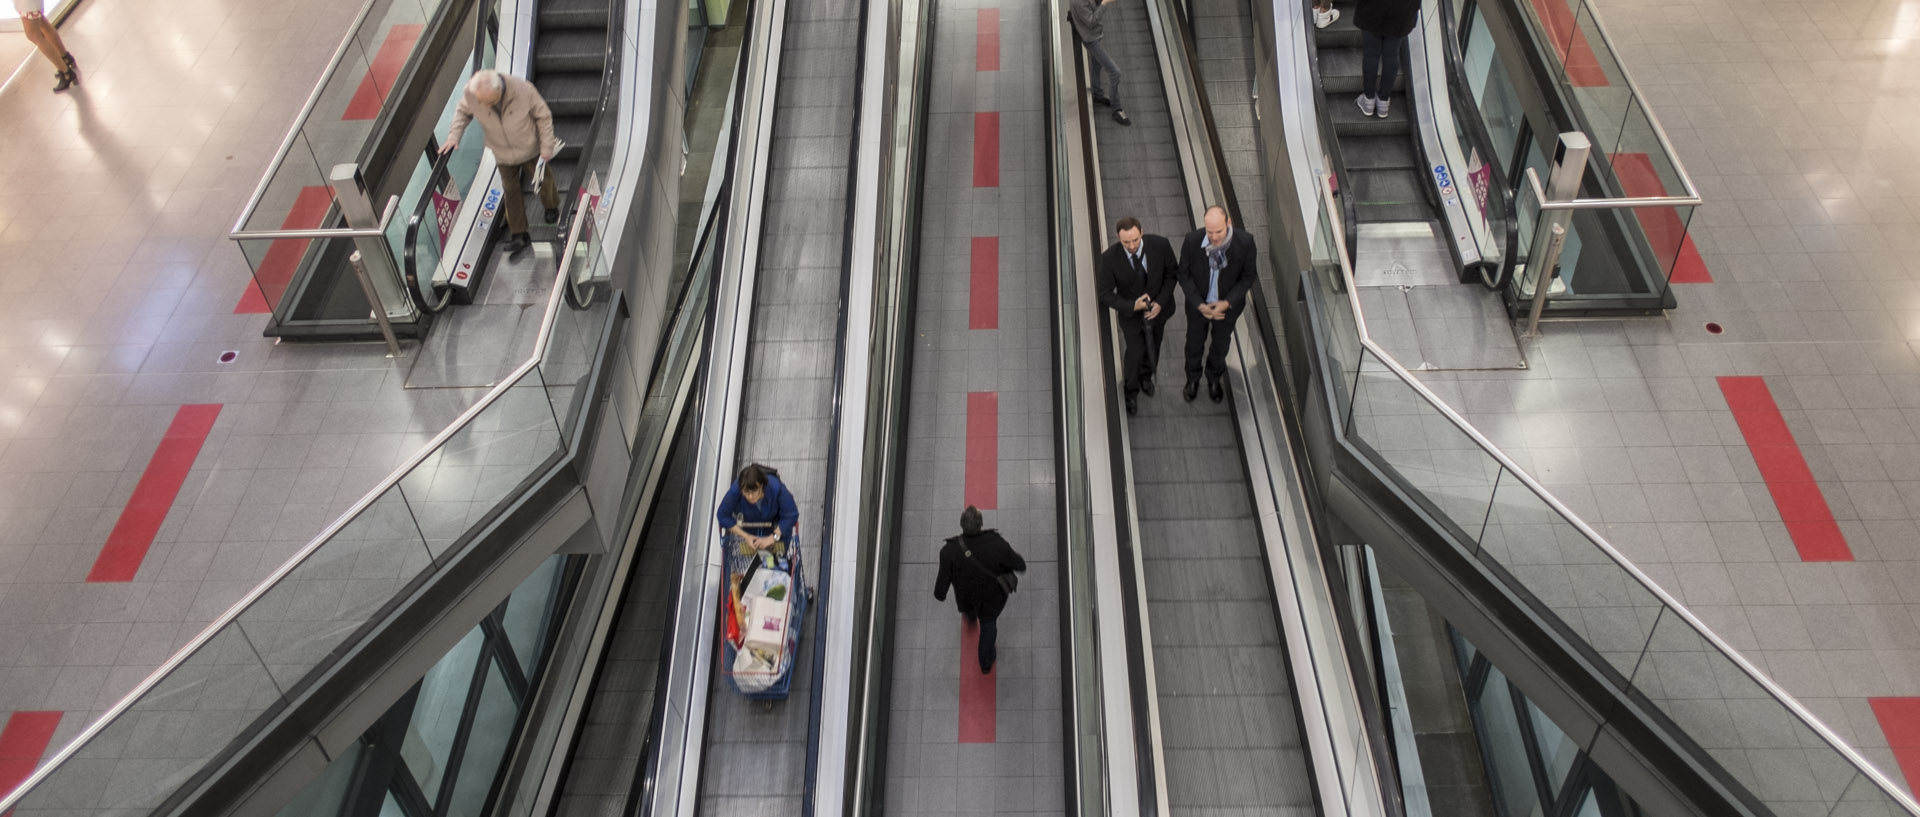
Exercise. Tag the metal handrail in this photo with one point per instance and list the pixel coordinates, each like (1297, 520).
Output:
(1625, 203)
(554, 298)
(1634, 92)
(306, 110)
(386, 218)
(1787, 700)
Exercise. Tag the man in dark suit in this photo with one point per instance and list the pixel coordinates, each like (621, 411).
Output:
(1216, 270)
(1135, 279)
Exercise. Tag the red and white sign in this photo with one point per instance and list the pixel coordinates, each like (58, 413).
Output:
(1479, 179)
(446, 204)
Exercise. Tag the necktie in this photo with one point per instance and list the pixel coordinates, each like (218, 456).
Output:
(1137, 268)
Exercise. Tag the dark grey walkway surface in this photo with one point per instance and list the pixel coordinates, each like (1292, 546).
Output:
(929, 769)
(1231, 738)
(755, 760)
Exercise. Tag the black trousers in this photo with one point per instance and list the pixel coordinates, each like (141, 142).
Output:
(1141, 339)
(1379, 64)
(989, 633)
(1199, 331)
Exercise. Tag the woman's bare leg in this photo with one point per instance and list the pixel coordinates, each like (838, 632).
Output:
(45, 37)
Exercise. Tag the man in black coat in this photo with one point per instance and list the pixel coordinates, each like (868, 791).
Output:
(972, 564)
(1216, 270)
(1135, 279)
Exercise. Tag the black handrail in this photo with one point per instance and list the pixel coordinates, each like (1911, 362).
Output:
(1467, 109)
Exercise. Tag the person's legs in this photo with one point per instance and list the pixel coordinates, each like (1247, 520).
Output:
(549, 198)
(1222, 334)
(512, 201)
(1104, 66)
(1197, 330)
(1389, 67)
(1370, 48)
(1132, 359)
(989, 632)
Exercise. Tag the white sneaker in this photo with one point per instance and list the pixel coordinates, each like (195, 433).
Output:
(1380, 108)
(1324, 18)
(1366, 104)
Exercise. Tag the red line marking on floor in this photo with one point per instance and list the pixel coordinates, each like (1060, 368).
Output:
(1570, 42)
(986, 149)
(1665, 230)
(22, 743)
(1802, 507)
(127, 545)
(987, 54)
(1900, 722)
(383, 71)
(979, 692)
(984, 302)
(983, 450)
(275, 270)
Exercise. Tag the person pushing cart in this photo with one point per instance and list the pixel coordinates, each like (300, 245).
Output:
(766, 594)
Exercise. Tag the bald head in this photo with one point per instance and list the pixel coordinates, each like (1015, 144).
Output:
(485, 86)
(1217, 224)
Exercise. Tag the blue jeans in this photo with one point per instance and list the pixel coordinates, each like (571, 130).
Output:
(1379, 56)
(1103, 65)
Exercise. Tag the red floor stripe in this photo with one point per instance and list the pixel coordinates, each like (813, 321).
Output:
(22, 743)
(383, 71)
(986, 149)
(979, 693)
(1673, 246)
(131, 537)
(1900, 722)
(987, 54)
(983, 450)
(275, 270)
(1802, 507)
(1665, 231)
(1570, 42)
(984, 306)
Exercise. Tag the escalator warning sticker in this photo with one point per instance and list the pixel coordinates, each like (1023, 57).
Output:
(1445, 181)
(487, 207)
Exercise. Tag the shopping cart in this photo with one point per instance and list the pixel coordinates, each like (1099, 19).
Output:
(763, 607)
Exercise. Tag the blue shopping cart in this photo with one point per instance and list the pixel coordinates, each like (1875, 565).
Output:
(765, 597)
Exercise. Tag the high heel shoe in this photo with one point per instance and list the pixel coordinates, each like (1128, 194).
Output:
(72, 67)
(66, 78)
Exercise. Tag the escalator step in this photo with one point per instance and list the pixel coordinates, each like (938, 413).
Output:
(570, 92)
(1349, 121)
(573, 131)
(1388, 195)
(570, 51)
(1394, 152)
(559, 14)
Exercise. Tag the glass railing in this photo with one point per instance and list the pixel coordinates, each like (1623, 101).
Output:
(210, 697)
(1766, 746)
(1611, 251)
(343, 111)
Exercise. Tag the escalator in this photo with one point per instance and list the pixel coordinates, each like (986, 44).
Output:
(450, 246)
(1386, 176)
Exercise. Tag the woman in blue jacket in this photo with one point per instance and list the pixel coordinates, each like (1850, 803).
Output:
(756, 502)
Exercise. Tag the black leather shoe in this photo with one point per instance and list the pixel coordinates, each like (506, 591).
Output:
(1192, 390)
(1146, 385)
(1216, 391)
(516, 244)
(1121, 117)
(1133, 405)
(553, 214)
(1101, 100)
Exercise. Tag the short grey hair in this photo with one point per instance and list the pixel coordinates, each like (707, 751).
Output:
(486, 80)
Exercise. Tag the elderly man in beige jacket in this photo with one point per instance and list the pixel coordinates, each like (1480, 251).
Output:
(518, 129)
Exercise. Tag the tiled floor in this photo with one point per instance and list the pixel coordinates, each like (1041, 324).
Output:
(1798, 121)
(980, 431)
(119, 290)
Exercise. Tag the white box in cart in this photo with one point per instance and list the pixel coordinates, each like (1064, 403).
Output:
(767, 624)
